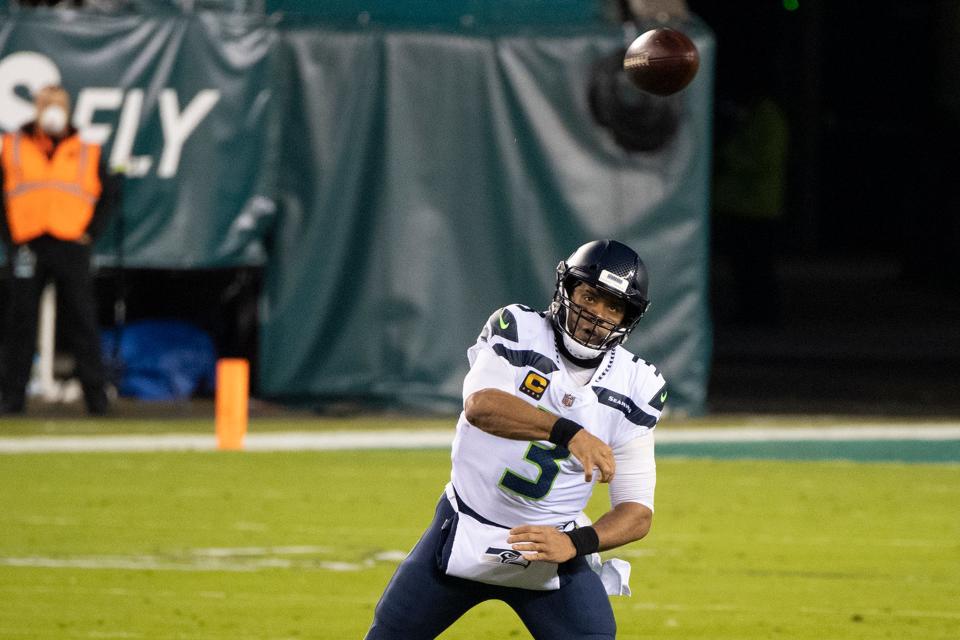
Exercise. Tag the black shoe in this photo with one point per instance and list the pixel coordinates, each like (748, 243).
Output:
(97, 402)
(11, 408)
(98, 408)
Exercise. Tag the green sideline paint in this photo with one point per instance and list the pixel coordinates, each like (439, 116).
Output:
(856, 450)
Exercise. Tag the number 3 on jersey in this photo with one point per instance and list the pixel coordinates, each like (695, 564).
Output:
(547, 460)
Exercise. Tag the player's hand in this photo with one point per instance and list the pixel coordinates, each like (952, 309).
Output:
(541, 542)
(592, 452)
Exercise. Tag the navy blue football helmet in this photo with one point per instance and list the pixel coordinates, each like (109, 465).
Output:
(613, 268)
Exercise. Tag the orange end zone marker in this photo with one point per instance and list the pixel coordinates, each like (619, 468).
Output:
(232, 395)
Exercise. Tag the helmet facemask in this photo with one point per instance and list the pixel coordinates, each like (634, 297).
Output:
(585, 334)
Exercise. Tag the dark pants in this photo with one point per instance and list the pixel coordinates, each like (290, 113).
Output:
(67, 264)
(420, 601)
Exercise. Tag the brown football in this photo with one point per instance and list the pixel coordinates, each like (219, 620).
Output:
(661, 61)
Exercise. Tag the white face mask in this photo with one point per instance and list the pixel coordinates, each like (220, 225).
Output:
(53, 120)
(578, 350)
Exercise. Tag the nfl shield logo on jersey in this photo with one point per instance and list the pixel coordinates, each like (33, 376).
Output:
(567, 400)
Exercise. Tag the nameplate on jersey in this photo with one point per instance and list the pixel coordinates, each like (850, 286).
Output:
(614, 281)
(534, 385)
(630, 410)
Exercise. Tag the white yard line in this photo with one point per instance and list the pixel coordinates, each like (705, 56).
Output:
(241, 559)
(440, 439)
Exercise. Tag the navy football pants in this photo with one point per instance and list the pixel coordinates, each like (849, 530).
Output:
(420, 601)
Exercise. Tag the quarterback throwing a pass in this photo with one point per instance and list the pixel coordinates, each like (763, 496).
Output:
(552, 404)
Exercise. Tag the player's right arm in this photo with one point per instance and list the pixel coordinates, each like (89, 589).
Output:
(490, 405)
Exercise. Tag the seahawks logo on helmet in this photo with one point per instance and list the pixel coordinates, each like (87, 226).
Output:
(611, 267)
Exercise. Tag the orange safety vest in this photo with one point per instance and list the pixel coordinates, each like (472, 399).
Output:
(49, 195)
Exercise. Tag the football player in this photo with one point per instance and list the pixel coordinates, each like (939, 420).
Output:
(553, 404)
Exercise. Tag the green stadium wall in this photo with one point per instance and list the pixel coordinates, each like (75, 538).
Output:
(397, 184)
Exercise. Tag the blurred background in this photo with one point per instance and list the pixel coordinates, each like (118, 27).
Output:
(342, 192)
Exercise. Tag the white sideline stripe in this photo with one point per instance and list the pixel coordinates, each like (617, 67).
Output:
(438, 439)
(293, 441)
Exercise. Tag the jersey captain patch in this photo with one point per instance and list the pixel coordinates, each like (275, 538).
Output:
(534, 385)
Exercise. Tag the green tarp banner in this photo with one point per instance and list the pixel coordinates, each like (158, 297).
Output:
(429, 178)
(462, 13)
(398, 185)
(182, 104)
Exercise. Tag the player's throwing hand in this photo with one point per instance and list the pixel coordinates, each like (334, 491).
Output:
(592, 452)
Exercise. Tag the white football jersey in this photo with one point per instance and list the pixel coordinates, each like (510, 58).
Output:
(514, 482)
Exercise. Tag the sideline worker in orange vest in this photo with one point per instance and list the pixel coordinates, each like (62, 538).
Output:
(56, 197)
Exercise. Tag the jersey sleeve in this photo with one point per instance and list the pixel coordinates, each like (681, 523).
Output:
(636, 476)
(653, 393)
(644, 404)
(505, 331)
(633, 451)
(488, 371)
(501, 336)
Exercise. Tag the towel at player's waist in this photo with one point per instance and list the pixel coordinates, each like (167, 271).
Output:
(476, 548)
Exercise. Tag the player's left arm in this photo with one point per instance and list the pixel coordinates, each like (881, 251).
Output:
(623, 524)
(629, 519)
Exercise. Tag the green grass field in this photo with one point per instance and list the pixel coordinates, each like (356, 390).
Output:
(300, 545)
